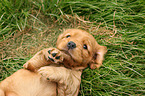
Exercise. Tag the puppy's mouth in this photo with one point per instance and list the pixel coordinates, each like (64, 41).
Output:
(66, 52)
(69, 50)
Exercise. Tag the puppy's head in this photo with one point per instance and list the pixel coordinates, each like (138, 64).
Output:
(80, 49)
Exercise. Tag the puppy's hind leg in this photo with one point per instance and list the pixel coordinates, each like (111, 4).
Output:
(68, 80)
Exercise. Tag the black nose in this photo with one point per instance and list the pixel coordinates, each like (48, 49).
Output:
(71, 45)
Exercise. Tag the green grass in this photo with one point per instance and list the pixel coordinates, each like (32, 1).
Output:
(27, 26)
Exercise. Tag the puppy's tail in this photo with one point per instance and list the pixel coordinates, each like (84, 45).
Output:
(2, 92)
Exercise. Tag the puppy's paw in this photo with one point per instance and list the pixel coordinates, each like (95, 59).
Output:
(48, 73)
(54, 55)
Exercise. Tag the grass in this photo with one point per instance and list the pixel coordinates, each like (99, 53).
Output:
(27, 26)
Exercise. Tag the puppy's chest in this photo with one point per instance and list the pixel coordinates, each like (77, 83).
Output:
(73, 65)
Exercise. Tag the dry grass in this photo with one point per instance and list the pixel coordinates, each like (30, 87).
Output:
(119, 25)
(29, 41)
(21, 46)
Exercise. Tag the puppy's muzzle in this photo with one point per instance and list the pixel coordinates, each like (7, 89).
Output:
(71, 45)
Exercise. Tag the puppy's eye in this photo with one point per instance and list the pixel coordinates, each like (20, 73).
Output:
(67, 36)
(85, 46)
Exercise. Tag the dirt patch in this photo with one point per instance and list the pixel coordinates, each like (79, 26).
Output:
(44, 35)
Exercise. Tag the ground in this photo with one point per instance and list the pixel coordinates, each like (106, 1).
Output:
(119, 25)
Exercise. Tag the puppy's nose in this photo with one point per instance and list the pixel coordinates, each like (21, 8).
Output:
(71, 45)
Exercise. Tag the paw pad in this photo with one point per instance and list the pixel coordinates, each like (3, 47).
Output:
(58, 57)
(49, 51)
(51, 59)
(54, 55)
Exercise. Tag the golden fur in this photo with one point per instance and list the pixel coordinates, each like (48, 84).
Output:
(56, 71)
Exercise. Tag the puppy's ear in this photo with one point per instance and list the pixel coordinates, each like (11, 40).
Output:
(98, 56)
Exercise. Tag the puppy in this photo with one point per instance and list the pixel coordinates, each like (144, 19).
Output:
(56, 71)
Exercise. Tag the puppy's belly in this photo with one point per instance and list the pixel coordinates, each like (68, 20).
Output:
(26, 83)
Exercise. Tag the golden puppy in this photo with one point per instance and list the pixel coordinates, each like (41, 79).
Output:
(60, 68)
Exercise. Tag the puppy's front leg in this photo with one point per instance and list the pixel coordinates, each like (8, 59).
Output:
(43, 58)
(68, 80)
